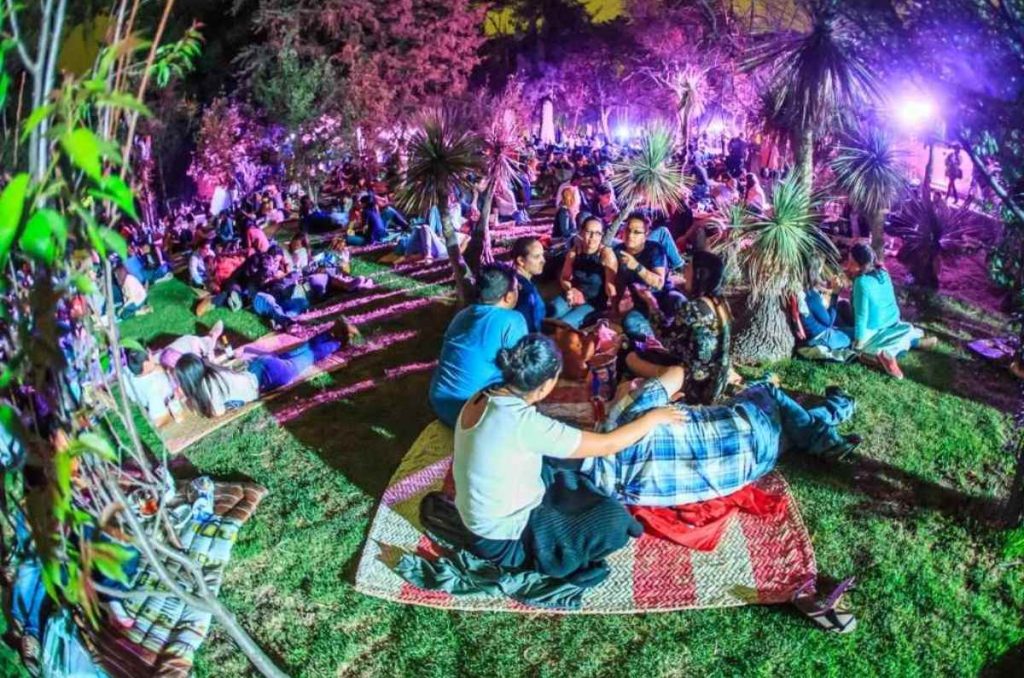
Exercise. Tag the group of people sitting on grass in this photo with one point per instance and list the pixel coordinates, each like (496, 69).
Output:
(683, 426)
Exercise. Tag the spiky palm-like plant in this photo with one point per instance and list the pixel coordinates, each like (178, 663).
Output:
(649, 178)
(500, 146)
(870, 172)
(443, 156)
(728, 220)
(815, 78)
(778, 249)
(933, 233)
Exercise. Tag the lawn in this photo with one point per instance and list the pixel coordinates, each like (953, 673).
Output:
(938, 592)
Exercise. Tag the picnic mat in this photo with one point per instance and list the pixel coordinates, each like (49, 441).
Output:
(166, 633)
(759, 559)
(177, 435)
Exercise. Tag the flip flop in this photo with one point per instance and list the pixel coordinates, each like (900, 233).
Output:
(828, 613)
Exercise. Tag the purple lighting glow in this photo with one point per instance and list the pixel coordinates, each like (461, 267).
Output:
(915, 111)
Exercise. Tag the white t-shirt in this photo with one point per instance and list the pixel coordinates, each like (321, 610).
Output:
(151, 392)
(237, 387)
(497, 465)
(134, 292)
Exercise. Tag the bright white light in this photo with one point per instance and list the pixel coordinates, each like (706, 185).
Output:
(716, 126)
(622, 132)
(915, 111)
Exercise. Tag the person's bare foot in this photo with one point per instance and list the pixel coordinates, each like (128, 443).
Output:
(928, 343)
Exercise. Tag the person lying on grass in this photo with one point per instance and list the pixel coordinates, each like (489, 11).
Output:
(509, 494)
(149, 374)
(879, 333)
(713, 451)
(212, 390)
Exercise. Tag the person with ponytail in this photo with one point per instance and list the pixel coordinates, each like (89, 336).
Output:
(520, 508)
(879, 333)
(697, 336)
(212, 389)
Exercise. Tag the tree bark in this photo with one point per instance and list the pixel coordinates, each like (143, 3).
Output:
(765, 334)
(480, 239)
(803, 157)
(451, 240)
(929, 170)
(877, 223)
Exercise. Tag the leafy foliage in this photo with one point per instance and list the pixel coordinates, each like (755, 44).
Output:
(869, 170)
(817, 78)
(779, 249)
(443, 157)
(650, 177)
(934, 233)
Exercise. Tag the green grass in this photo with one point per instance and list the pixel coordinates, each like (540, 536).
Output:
(939, 592)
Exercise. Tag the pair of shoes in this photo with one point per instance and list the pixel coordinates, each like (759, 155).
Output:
(889, 364)
(165, 277)
(834, 391)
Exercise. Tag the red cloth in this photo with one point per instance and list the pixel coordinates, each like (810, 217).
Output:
(701, 525)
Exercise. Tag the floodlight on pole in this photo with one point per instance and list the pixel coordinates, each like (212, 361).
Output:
(622, 132)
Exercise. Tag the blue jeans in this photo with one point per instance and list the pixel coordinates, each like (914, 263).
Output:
(265, 305)
(663, 237)
(277, 370)
(833, 338)
(636, 324)
(812, 431)
(574, 316)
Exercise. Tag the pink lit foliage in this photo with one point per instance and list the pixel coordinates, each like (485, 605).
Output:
(233, 147)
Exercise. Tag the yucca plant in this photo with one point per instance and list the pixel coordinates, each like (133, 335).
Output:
(648, 178)
(870, 172)
(933, 233)
(777, 251)
(729, 219)
(443, 156)
(815, 79)
(500, 147)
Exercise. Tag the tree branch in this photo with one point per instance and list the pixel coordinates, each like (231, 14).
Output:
(30, 64)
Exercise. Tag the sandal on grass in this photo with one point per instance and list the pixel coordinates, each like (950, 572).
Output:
(842, 450)
(828, 613)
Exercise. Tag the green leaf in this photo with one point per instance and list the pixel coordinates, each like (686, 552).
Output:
(93, 232)
(9, 419)
(83, 147)
(62, 473)
(44, 236)
(122, 100)
(114, 241)
(34, 118)
(83, 284)
(5, 83)
(5, 377)
(12, 204)
(113, 189)
(132, 345)
(99, 445)
(110, 559)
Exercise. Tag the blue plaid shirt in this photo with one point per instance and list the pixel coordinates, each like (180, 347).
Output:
(716, 451)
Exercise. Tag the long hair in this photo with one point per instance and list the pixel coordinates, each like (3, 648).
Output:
(197, 378)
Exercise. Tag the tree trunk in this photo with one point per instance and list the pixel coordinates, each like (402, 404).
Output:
(605, 114)
(451, 240)
(877, 223)
(765, 334)
(479, 247)
(803, 157)
(929, 170)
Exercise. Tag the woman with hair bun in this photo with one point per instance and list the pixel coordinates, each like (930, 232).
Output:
(520, 509)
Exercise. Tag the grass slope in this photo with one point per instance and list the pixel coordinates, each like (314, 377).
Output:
(937, 594)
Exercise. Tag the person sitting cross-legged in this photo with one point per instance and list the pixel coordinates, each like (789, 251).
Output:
(588, 277)
(518, 510)
(879, 332)
(472, 341)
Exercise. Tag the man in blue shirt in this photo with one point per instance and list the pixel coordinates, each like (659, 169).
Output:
(472, 341)
(528, 258)
(643, 270)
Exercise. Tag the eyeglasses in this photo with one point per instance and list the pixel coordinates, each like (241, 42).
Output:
(632, 232)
